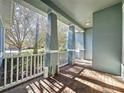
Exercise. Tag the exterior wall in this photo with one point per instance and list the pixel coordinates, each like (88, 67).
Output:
(88, 44)
(107, 39)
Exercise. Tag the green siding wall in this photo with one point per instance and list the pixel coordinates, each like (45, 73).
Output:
(107, 39)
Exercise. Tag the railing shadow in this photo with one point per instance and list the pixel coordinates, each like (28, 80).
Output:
(66, 82)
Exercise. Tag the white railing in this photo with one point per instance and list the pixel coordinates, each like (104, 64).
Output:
(63, 58)
(20, 68)
(79, 54)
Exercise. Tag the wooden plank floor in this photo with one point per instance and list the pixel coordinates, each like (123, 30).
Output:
(79, 78)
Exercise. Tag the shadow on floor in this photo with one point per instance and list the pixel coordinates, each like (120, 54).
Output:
(77, 79)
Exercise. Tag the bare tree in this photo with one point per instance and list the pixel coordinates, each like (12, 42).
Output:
(23, 23)
(62, 33)
(42, 32)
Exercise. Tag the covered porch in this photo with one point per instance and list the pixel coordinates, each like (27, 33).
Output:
(47, 47)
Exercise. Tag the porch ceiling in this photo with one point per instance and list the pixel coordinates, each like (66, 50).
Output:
(82, 10)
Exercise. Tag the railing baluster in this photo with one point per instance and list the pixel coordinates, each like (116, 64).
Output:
(27, 66)
(22, 67)
(17, 75)
(41, 63)
(34, 63)
(5, 71)
(37, 63)
(11, 70)
(59, 59)
(31, 66)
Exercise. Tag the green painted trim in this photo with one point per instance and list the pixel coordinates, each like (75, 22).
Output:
(57, 9)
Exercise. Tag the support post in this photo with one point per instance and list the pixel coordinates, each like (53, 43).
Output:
(36, 37)
(1, 49)
(71, 44)
(122, 64)
(51, 59)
